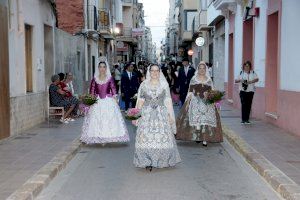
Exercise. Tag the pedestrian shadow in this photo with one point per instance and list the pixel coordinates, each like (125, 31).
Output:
(197, 145)
(101, 146)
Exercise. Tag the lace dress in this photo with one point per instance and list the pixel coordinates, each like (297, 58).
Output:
(155, 143)
(198, 118)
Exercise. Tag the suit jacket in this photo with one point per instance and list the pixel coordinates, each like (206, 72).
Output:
(129, 87)
(184, 80)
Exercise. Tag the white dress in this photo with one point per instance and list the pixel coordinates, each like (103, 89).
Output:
(104, 122)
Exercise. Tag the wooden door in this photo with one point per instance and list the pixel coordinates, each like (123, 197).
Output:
(28, 55)
(4, 75)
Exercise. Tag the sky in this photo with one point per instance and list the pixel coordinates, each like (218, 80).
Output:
(156, 13)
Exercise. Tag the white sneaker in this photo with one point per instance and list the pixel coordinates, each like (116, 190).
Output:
(204, 143)
(70, 119)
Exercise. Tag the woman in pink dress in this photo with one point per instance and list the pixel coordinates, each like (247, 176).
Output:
(104, 122)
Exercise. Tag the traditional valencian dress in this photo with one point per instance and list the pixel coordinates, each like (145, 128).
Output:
(155, 144)
(197, 118)
(104, 122)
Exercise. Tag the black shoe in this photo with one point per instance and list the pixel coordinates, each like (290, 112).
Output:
(149, 168)
(198, 142)
(204, 143)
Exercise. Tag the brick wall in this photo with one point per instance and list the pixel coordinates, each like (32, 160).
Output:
(70, 15)
(26, 111)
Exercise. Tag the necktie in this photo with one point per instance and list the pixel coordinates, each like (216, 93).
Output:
(186, 70)
(130, 75)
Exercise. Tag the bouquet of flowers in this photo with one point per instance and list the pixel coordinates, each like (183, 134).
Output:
(133, 114)
(89, 100)
(214, 96)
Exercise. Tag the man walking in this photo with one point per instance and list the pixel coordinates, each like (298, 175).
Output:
(185, 74)
(129, 86)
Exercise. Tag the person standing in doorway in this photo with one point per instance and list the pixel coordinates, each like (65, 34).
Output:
(246, 80)
(129, 86)
(185, 74)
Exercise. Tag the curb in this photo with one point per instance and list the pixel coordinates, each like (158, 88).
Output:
(33, 186)
(280, 182)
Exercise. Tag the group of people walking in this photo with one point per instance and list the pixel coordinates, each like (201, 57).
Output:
(153, 90)
(157, 128)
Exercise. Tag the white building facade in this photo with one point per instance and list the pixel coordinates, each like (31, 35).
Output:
(270, 40)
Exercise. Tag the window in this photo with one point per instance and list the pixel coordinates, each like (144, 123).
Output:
(189, 17)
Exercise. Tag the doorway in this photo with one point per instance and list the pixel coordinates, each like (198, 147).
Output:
(4, 75)
(28, 57)
(272, 64)
(230, 69)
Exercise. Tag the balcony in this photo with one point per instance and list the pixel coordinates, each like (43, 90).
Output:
(129, 3)
(127, 36)
(105, 24)
(224, 4)
(91, 18)
(202, 18)
(187, 36)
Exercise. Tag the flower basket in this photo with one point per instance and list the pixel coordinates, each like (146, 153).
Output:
(133, 114)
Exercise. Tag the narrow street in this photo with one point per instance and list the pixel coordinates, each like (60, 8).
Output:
(216, 172)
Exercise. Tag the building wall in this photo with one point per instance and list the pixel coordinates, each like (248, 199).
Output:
(70, 15)
(290, 48)
(28, 15)
(287, 94)
(27, 109)
(53, 51)
(219, 56)
(69, 54)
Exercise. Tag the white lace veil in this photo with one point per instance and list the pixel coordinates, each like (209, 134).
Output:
(163, 85)
(194, 80)
(97, 73)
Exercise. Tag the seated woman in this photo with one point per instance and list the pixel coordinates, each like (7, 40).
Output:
(57, 98)
(63, 85)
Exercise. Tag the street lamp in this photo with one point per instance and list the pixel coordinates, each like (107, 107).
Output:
(117, 30)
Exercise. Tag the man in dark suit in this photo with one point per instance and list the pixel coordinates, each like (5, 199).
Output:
(129, 86)
(185, 74)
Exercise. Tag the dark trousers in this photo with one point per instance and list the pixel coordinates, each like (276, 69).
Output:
(117, 86)
(182, 98)
(129, 101)
(246, 101)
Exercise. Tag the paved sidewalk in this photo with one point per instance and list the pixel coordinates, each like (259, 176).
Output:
(22, 156)
(281, 148)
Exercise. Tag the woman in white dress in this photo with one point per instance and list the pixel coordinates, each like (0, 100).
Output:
(104, 122)
(155, 144)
